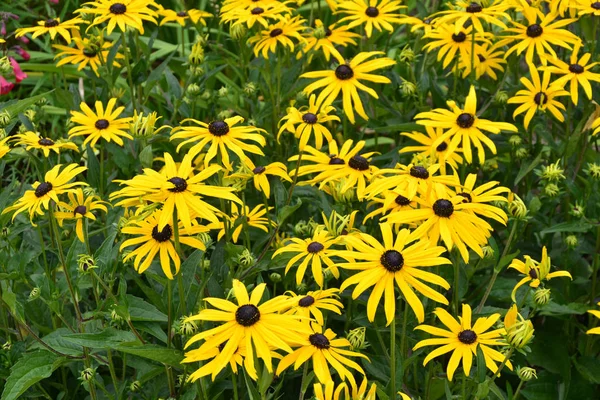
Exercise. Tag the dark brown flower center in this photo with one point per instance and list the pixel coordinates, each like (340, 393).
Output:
(576, 68)
(540, 98)
(460, 37)
(179, 183)
(467, 336)
(315, 247)
(182, 14)
(442, 147)
(372, 12)
(319, 340)
(474, 8)
(481, 58)
(45, 142)
(392, 260)
(359, 163)
(276, 32)
(419, 172)
(443, 208)
(596, 5)
(306, 301)
(162, 236)
(118, 8)
(259, 170)
(310, 118)
(328, 32)
(257, 11)
(80, 210)
(533, 273)
(401, 200)
(101, 124)
(534, 31)
(42, 189)
(344, 72)
(90, 53)
(247, 315)
(467, 197)
(51, 23)
(465, 120)
(333, 160)
(218, 128)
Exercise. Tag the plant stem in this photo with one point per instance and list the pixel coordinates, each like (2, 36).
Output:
(518, 390)
(304, 375)
(393, 359)
(129, 72)
(235, 386)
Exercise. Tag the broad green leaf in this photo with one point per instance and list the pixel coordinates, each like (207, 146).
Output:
(14, 108)
(140, 310)
(589, 368)
(568, 227)
(153, 352)
(107, 339)
(57, 341)
(286, 211)
(16, 308)
(553, 308)
(527, 169)
(29, 370)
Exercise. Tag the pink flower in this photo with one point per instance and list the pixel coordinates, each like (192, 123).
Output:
(54, 1)
(5, 86)
(3, 28)
(22, 52)
(19, 74)
(24, 39)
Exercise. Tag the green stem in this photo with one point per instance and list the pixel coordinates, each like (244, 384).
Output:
(86, 236)
(235, 386)
(393, 359)
(302, 385)
(518, 390)
(506, 358)
(101, 169)
(111, 369)
(129, 71)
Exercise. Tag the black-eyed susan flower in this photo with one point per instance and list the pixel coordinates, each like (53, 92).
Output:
(312, 302)
(346, 78)
(519, 331)
(263, 14)
(535, 272)
(278, 34)
(314, 251)
(538, 35)
(451, 43)
(577, 72)
(243, 219)
(488, 58)
(463, 339)
(328, 391)
(85, 53)
(323, 163)
(464, 127)
(594, 331)
(152, 240)
(325, 351)
(56, 182)
(181, 17)
(305, 122)
(121, 13)
(232, 5)
(394, 262)
(31, 140)
(437, 154)
(442, 215)
(222, 136)
(4, 147)
(261, 327)
(481, 196)
(378, 14)
(102, 124)
(326, 39)
(52, 26)
(417, 23)
(79, 208)
(588, 7)
(260, 175)
(474, 12)
(176, 187)
(390, 201)
(538, 95)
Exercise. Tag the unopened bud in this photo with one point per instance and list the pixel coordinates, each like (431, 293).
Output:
(35, 293)
(275, 277)
(515, 140)
(135, 386)
(193, 90)
(87, 374)
(501, 97)
(356, 337)
(238, 31)
(542, 296)
(526, 373)
(571, 241)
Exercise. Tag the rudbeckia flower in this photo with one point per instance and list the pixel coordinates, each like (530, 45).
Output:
(152, 240)
(587, 7)
(280, 33)
(102, 124)
(259, 175)
(315, 251)
(263, 14)
(378, 14)
(462, 339)
(390, 201)
(31, 140)
(223, 136)
(326, 38)
(464, 126)
(240, 220)
(346, 78)
(325, 351)
(312, 302)
(538, 95)
(306, 121)
(181, 17)
(594, 331)
(56, 182)
(121, 13)
(535, 272)
(473, 12)
(480, 196)
(577, 72)
(79, 207)
(4, 148)
(450, 43)
(85, 53)
(394, 262)
(52, 26)
(328, 391)
(488, 58)
(437, 154)
(260, 327)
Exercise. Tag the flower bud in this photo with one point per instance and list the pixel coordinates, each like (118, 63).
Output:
(196, 70)
(196, 56)
(302, 228)
(193, 90)
(521, 153)
(542, 296)
(571, 241)
(246, 258)
(5, 118)
(85, 263)
(515, 140)
(577, 210)
(30, 114)
(5, 66)
(275, 277)
(551, 172)
(35, 293)
(320, 32)
(593, 170)
(488, 252)
(516, 206)
(238, 31)
(205, 238)
(407, 55)
(187, 327)
(250, 88)
(7, 346)
(5, 232)
(526, 373)
(519, 331)
(224, 114)
(302, 287)
(356, 337)
(206, 264)
(501, 97)
(135, 386)
(407, 88)
(87, 374)
(551, 190)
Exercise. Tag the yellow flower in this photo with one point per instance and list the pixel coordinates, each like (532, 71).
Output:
(474, 12)
(450, 42)
(535, 272)
(437, 154)
(590, 7)
(328, 391)
(85, 53)
(238, 221)
(594, 331)
(464, 126)
(538, 95)
(278, 34)
(31, 140)
(519, 331)
(346, 78)
(102, 124)
(56, 182)
(264, 14)
(378, 14)
(52, 26)
(79, 207)
(393, 262)
(4, 148)
(325, 39)
(121, 13)
(259, 176)
(312, 302)
(487, 59)
(463, 339)
(181, 17)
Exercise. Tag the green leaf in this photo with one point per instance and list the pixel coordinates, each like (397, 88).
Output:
(157, 74)
(253, 393)
(496, 390)
(146, 157)
(286, 211)
(107, 339)
(57, 341)
(504, 261)
(172, 357)
(525, 170)
(14, 108)
(568, 227)
(140, 310)
(29, 370)
(93, 172)
(16, 308)
(547, 351)
(589, 368)
(553, 308)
